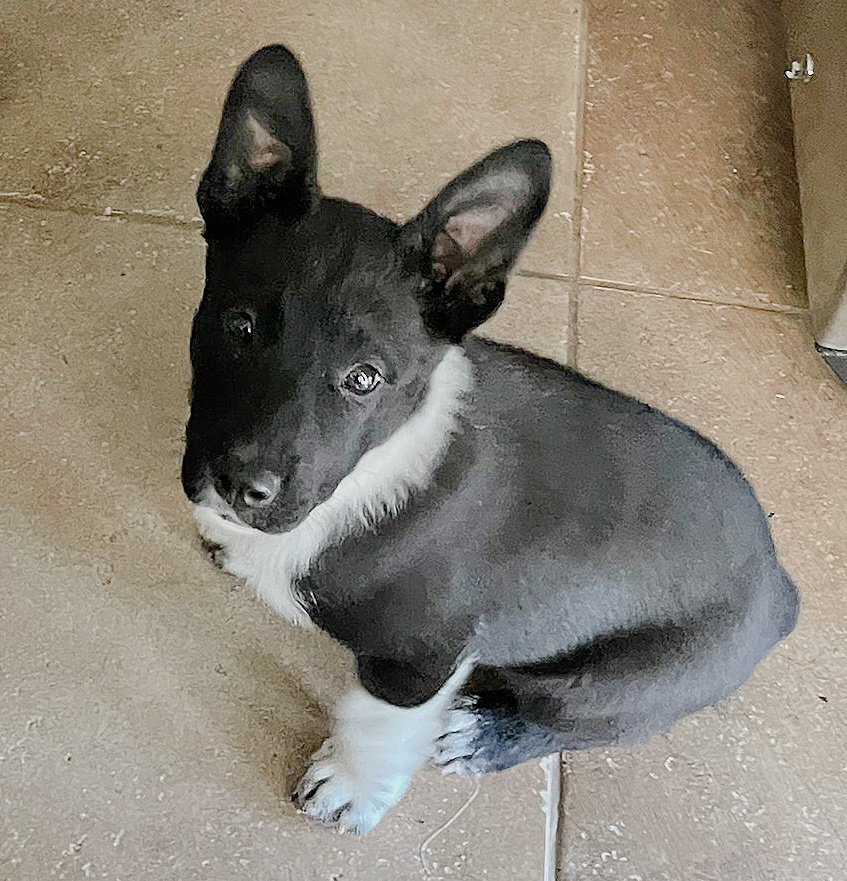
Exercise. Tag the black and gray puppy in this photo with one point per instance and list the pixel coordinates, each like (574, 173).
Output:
(521, 560)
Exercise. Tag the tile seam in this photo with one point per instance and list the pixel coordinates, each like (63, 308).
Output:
(36, 201)
(159, 217)
(552, 808)
(561, 844)
(606, 284)
(554, 843)
(545, 276)
(627, 288)
(579, 183)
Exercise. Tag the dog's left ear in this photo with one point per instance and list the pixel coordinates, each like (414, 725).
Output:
(265, 154)
(467, 239)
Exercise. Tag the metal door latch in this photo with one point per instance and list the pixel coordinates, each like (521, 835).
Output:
(802, 71)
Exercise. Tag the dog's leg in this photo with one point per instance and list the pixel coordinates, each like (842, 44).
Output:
(621, 689)
(366, 764)
(480, 740)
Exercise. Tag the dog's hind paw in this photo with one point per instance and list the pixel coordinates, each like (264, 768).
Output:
(457, 750)
(335, 795)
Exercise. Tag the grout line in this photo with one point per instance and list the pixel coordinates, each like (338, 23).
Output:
(625, 287)
(564, 770)
(554, 767)
(552, 798)
(572, 347)
(546, 276)
(579, 185)
(180, 221)
(160, 218)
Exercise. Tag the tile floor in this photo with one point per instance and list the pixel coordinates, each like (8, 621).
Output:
(152, 713)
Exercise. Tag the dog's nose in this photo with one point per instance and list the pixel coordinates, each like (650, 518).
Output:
(260, 490)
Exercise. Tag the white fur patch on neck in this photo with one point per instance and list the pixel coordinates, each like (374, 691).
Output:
(379, 486)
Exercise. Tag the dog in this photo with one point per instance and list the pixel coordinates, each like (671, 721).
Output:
(522, 560)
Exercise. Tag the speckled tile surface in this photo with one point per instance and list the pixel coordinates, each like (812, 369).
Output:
(153, 715)
(534, 315)
(116, 105)
(752, 789)
(690, 182)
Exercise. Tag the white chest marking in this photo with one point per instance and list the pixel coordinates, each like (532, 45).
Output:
(379, 486)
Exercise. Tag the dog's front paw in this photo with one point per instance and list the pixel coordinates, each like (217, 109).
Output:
(334, 793)
(215, 552)
(230, 546)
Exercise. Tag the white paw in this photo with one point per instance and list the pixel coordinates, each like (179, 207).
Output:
(229, 544)
(335, 794)
(259, 559)
(456, 748)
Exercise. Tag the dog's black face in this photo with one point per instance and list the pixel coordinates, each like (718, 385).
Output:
(308, 349)
(322, 322)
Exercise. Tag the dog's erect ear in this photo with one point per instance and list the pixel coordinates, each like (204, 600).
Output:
(264, 155)
(466, 240)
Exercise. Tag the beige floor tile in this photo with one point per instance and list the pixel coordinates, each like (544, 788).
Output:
(753, 789)
(533, 316)
(152, 715)
(690, 181)
(116, 104)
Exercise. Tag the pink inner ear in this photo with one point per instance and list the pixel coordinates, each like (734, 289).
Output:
(462, 235)
(447, 256)
(265, 150)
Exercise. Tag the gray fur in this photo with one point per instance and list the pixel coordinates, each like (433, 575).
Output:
(608, 569)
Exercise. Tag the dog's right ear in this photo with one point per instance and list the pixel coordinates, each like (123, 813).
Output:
(469, 236)
(264, 155)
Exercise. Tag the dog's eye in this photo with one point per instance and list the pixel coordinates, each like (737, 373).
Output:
(238, 325)
(362, 379)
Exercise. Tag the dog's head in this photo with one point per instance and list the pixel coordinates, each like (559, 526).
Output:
(321, 323)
